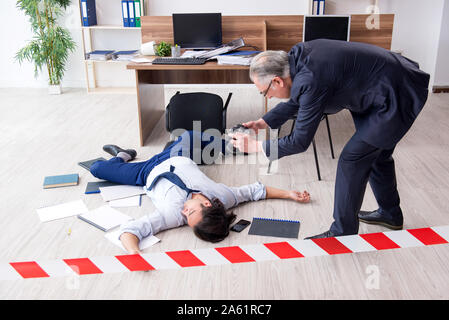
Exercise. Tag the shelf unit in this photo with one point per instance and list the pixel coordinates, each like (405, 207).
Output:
(89, 65)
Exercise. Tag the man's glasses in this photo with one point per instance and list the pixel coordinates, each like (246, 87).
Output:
(265, 92)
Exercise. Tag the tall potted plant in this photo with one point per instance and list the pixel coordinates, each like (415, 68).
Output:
(51, 43)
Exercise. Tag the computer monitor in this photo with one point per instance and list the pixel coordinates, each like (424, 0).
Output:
(326, 27)
(197, 30)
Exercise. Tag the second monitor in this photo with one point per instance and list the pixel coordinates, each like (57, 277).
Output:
(197, 30)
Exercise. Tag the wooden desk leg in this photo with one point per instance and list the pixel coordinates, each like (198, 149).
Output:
(150, 107)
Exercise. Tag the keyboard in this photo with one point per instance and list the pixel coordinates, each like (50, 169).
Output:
(189, 60)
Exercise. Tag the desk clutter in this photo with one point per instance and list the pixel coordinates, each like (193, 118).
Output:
(107, 217)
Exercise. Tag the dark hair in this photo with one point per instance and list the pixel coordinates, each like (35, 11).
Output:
(214, 226)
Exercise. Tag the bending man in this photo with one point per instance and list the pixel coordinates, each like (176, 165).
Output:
(384, 92)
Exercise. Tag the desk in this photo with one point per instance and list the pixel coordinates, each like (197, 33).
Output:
(273, 32)
(150, 81)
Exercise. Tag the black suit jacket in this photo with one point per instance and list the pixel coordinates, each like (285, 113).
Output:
(384, 92)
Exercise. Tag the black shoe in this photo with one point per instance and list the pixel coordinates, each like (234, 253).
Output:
(327, 234)
(113, 150)
(374, 217)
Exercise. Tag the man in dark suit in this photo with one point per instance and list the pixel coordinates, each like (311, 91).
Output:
(384, 92)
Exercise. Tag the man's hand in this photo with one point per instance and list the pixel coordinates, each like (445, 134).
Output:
(256, 125)
(245, 143)
(298, 196)
(130, 242)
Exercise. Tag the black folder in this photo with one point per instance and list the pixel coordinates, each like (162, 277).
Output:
(274, 228)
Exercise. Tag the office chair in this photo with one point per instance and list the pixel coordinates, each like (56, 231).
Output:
(184, 108)
(324, 117)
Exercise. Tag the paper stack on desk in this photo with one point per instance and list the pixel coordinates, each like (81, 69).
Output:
(243, 58)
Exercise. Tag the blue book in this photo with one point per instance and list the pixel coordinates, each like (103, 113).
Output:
(88, 13)
(131, 14)
(94, 187)
(61, 181)
(125, 14)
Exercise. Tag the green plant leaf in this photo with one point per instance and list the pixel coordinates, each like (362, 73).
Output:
(51, 44)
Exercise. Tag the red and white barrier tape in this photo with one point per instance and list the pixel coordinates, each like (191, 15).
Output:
(226, 255)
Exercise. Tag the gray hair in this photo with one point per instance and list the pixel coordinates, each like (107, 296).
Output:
(269, 64)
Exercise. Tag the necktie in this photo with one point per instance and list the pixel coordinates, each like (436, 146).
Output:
(174, 178)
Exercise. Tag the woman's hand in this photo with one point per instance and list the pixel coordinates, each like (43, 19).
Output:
(298, 196)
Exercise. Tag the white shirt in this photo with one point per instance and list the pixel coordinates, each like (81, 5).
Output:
(169, 199)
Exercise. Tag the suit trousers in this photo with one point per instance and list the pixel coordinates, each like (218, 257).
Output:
(358, 164)
(189, 144)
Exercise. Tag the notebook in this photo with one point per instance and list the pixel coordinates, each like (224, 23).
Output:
(104, 218)
(274, 228)
(94, 187)
(86, 164)
(63, 210)
(61, 181)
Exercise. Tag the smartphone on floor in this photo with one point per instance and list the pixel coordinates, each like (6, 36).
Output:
(239, 226)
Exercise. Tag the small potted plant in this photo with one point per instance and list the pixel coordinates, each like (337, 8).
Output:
(163, 49)
(51, 43)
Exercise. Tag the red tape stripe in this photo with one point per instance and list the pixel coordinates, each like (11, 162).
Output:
(283, 250)
(379, 241)
(82, 266)
(29, 269)
(331, 245)
(234, 254)
(185, 258)
(134, 262)
(427, 236)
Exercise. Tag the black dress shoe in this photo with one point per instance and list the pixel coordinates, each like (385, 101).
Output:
(113, 150)
(374, 217)
(327, 234)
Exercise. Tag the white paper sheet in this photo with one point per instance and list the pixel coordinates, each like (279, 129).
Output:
(105, 218)
(63, 210)
(125, 202)
(120, 192)
(147, 242)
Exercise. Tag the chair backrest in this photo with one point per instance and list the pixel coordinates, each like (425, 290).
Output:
(185, 108)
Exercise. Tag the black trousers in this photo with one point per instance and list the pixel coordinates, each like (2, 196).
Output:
(359, 163)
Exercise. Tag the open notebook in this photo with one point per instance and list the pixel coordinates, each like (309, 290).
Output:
(104, 218)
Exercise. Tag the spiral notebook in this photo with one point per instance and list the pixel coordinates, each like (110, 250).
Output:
(275, 228)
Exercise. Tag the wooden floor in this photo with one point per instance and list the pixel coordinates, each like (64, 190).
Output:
(43, 135)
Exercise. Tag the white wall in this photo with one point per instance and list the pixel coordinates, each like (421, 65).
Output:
(442, 62)
(416, 31)
(420, 30)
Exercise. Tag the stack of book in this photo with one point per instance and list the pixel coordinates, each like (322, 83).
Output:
(243, 58)
(101, 55)
(125, 55)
